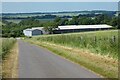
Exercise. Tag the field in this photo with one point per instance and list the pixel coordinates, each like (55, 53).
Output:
(34, 14)
(103, 43)
(18, 20)
(97, 51)
(14, 20)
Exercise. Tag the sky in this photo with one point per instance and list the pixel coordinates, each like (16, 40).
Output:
(26, 7)
(60, 0)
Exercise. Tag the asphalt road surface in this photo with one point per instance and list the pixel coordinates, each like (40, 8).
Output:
(37, 62)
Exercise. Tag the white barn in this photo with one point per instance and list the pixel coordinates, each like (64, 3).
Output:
(84, 27)
(34, 31)
(80, 28)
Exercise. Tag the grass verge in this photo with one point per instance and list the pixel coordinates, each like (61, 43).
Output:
(103, 65)
(10, 63)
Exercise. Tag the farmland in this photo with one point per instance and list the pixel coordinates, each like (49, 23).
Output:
(103, 43)
(18, 20)
(14, 20)
(43, 17)
(97, 51)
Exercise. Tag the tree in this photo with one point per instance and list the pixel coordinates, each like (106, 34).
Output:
(85, 21)
(49, 27)
(31, 22)
(63, 22)
(114, 22)
(74, 21)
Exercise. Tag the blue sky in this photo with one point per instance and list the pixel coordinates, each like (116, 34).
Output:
(16, 7)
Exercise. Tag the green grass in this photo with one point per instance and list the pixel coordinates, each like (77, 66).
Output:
(0, 48)
(6, 44)
(1, 23)
(14, 20)
(18, 20)
(99, 42)
(99, 64)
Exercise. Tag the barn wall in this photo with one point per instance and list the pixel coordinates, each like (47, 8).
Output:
(27, 33)
(77, 30)
(36, 32)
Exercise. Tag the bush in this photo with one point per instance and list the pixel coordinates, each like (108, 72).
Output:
(6, 44)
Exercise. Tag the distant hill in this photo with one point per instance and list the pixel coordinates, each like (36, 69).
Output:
(65, 13)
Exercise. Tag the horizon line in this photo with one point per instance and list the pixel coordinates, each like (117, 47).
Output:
(52, 11)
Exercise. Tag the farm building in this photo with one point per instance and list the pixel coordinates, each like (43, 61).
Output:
(80, 28)
(34, 31)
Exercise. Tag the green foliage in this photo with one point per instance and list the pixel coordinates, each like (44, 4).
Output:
(6, 45)
(12, 30)
(114, 22)
(104, 43)
(31, 23)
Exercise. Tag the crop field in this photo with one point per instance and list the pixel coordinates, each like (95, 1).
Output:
(45, 20)
(100, 42)
(6, 45)
(14, 20)
(18, 20)
(31, 15)
(23, 15)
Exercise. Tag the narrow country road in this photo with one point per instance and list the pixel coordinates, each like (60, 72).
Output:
(37, 62)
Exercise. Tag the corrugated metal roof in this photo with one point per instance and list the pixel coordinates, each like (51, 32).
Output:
(31, 29)
(83, 26)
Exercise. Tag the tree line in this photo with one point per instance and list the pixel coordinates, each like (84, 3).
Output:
(10, 29)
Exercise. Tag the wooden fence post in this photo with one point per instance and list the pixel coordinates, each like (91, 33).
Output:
(81, 37)
(113, 39)
(95, 39)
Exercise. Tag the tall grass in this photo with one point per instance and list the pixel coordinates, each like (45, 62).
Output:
(6, 45)
(100, 42)
(0, 48)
